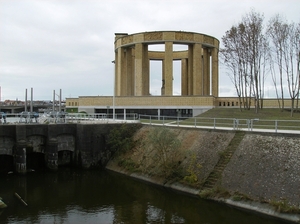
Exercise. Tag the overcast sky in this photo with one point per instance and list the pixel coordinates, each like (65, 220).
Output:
(69, 44)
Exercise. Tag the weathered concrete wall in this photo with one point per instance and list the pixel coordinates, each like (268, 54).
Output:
(83, 144)
(6, 145)
(91, 140)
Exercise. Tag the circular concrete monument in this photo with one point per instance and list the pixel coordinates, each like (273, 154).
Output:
(199, 64)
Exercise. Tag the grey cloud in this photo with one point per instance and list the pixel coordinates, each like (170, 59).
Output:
(66, 44)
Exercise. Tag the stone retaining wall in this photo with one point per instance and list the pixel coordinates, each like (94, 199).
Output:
(264, 168)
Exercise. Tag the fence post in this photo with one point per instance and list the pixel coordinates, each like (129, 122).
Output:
(163, 120)
(195, 122)
(276, 126)
(235, 124)
(214, 123)
(177, 121)
(150, 119)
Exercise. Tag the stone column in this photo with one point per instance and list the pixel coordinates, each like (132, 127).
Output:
(197, 70)
(129, 72)
(20, 157)
(206, 71)
(119, 62)
(168, 68)
(139, 69)
(123, 72)
(163, 78)
(132, 90)
(215, 71)
(116, 72)
(190, 70)
(184, 77)
(52, 154)
(146, 71)
(158, 114)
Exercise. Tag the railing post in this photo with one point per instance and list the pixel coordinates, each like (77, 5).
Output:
(177, 121)
(235, 124)
(214, 123)
(276, 126)
(163, 120)
(150, 119)
(195, 122)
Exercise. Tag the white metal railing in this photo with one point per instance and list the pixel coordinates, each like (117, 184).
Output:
(220, 123)
(60, 117)
(81, 117)
(225, 123)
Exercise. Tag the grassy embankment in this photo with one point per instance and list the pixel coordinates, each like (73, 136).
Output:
(265, 114)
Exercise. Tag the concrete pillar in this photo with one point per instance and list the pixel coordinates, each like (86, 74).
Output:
(206, 71)
(123, 73)
(197, 70)
(163, 79)
(116, 72)
(20, 157)
(132, 90)
(52, 154)
(215, 71)
(190, 70)
(168, 68)
(139, 69)
(119, 67)
(158, 114)
(146, 71)
(184, 77)
(129, 72)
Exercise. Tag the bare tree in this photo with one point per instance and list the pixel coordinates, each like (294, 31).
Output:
(274, 79)
(253, 23)
(250, 54)
(297, 50)
(245, 54)
(291, 61)
(278, 33)
(264, 69)
(231, 55)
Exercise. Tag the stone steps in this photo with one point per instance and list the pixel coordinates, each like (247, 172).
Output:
(215, 175)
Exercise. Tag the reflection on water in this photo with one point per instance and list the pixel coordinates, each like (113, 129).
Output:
(77, 196)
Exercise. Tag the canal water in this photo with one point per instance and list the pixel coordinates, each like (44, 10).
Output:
(90, 196)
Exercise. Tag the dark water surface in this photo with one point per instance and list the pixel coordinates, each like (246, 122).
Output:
(78, 196)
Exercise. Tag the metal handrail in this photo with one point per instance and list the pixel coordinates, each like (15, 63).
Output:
(288, 126)
(196, 122)
(56, 117)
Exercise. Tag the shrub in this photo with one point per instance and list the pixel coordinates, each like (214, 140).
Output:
(164, 150)
(193, 170)
(120, 137)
